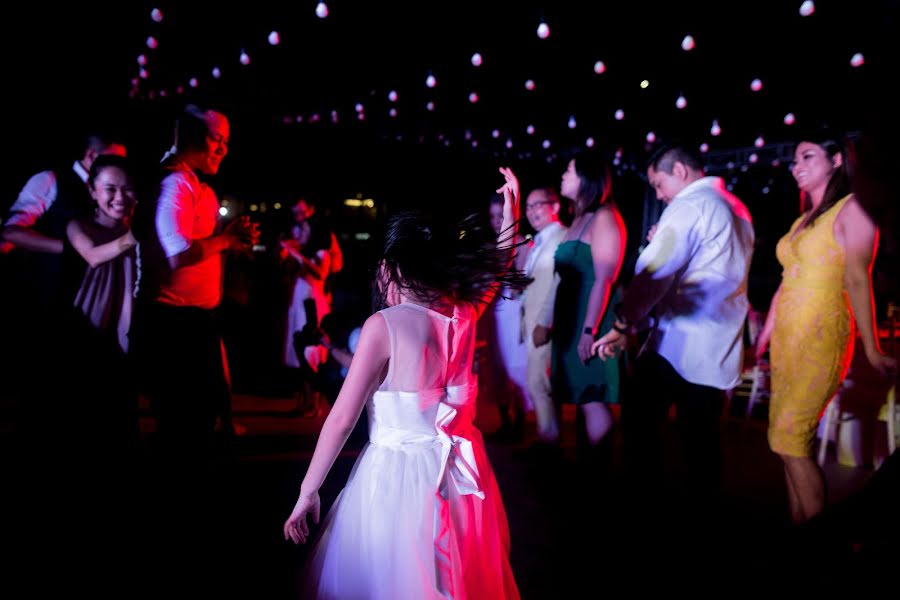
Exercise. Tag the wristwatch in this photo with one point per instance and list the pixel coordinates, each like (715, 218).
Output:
(589, 331)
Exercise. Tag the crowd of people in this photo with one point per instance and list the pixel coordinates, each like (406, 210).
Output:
(133, 273)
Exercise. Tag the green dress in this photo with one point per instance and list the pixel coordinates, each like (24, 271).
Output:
(574, 381)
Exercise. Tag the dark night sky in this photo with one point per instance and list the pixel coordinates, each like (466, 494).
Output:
(89, 50)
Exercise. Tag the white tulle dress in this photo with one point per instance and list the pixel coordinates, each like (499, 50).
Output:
(421, 515)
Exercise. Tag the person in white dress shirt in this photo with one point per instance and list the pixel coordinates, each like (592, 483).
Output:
(694, 273)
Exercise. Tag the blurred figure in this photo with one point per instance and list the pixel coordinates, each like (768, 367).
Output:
(538, 301)
(104, 307)
(505, 374)
(827, 257)
(306, 256)
(587, 260)
(176, 333)
(694, 273)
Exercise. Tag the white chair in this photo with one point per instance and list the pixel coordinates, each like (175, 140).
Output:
(754, 384)
(889, 413)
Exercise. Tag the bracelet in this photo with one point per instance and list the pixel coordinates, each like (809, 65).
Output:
(622, 330)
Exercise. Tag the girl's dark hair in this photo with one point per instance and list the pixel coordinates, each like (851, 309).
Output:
(108, 160)
(594, 173)
(431, 258)
(839, 184)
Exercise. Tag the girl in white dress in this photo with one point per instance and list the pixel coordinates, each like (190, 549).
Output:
(421, 514)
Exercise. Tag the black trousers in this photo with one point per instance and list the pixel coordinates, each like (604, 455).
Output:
(178, 355)
(652, 389)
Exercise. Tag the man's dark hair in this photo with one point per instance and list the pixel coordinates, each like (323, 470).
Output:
(664, 159)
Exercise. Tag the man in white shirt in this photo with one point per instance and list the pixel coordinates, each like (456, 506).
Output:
(38, 219)
(542, 211)
(694, 273)
(176, 331)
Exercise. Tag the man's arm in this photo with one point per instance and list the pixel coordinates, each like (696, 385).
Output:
(672, 247)
(34, 200)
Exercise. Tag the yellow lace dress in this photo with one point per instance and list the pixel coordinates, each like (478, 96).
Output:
(812, 342)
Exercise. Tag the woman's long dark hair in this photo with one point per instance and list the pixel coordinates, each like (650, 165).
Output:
(430, 258)
(593, 170)
(839, 184)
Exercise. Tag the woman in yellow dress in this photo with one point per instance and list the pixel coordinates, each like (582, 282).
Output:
(826, 284)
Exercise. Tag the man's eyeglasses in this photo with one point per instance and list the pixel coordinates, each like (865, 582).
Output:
(534, 205)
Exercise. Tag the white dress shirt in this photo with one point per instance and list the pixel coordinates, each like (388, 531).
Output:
(695, 272)
(37, 196)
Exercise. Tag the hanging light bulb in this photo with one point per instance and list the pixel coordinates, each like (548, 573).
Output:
(759, 142)
(430, 81)
(687, 44)
(543, 31)
(216, 72)
(704, 147)
(274, 38)
(589, 142)
(756, 85)
(572, 123)
(681, 102)
(789, 119)
(651, 137)
(151, 42)
(529, 84)
(473, 97)
(476, 59)
(321, 10)
(392, 95)
(599, 67)
(530, 130)
(620, 114)
(156, 15)
(857, 60)
(245, 58)
(715, 130)
(807, 8)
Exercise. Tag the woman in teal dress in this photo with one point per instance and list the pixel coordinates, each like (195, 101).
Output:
(588, 263)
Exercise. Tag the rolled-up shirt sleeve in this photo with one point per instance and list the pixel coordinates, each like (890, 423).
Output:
(175, 215)
(34, 200)
(672, 247)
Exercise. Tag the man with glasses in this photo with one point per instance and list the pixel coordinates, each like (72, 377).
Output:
(542, 210)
